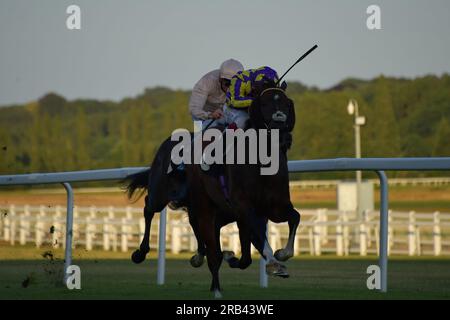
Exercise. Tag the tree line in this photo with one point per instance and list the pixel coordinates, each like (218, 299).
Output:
(405, 118)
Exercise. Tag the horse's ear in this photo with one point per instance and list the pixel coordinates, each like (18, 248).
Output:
(291, 119)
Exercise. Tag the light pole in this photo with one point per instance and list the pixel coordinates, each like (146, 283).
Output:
(352, 109)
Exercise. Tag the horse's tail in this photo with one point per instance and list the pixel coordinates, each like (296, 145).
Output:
(137, 181)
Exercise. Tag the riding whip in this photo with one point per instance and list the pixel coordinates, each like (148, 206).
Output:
(299, 59)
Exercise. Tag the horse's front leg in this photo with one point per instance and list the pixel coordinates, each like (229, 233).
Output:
(244, 238)
(293, 218)
(259, 239)
(246, 254)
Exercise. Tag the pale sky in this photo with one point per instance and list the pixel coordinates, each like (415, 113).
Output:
(126, 46)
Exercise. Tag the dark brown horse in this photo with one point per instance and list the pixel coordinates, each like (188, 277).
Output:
(251, 200)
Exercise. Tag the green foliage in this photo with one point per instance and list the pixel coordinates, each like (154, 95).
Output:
(441, 145)
(405, 118)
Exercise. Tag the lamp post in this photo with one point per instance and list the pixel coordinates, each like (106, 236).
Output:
(352, 109)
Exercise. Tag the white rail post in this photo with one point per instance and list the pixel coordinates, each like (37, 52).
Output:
(75, 222)
(437, 234)
(88, 233)
(346, 233)
(235, 239)
(418, 242)
(124, 235)
(263, 277)
(339, 238)
(112, 227)
(7, 222)
(363, 235)
(106, 244)
(23, 227)
(311, 241)
(377, 238)
(39, 229)
(93, 224)
(175, 237)
(129, 216)
(69, 229)
(192, 241)
(12, 226)
(369, 230)
(317, 240)
(324, 218)
(107, 229)
(384, 215)
(185, 244)
(412, 234)
(160, 276)
(274, 235)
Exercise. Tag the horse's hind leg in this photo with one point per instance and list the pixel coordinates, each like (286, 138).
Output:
(293, 218)
(214, 257)
(139, 255)
(197, 259)
(207, 231)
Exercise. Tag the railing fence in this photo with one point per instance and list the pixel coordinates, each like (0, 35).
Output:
(377, 165)
(322, 231)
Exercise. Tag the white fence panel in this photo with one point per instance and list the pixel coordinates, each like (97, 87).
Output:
(321, 231)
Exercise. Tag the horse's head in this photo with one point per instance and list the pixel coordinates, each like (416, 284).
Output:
(272, 109)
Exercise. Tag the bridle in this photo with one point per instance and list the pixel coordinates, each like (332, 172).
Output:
(278, 116)
(271, 89)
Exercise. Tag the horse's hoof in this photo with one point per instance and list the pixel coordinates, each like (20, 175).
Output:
(138, 256)
(244, 264)
(282, 274)
(227, 255)
(205, 167)
(233, 262)
(283, 255)
(276, 269)
(197, 260)
(217, 294)
(173, 205)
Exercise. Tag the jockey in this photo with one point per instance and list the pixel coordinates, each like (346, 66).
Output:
(209, 93)
(206, 103)
(242, 93)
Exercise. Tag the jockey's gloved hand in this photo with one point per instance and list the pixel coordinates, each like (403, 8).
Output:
(283, 85)
(232, 126)
(217, 114)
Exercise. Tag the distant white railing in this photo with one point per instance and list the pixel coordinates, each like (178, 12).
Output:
(321, 231)
(432, 181)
